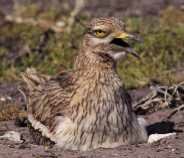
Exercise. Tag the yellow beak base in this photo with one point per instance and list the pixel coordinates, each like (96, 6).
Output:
(123, 35)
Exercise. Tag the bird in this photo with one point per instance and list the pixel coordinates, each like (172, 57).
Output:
(86, 108)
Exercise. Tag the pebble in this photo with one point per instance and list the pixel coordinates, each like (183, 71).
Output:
(3, 99)
(12, 136)
(156, 137)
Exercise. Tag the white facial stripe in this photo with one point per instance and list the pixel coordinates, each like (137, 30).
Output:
(117, 55)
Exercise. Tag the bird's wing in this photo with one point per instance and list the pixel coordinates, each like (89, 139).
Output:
(33, 78)
(48, 97)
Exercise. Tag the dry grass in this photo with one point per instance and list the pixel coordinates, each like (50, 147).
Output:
(10, 111)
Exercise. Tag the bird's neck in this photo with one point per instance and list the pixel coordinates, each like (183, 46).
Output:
(97, 86)
(96, 92)
(89, 59)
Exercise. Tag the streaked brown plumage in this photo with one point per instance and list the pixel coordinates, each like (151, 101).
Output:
(87, 108)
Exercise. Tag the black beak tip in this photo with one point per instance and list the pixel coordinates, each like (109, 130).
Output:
(120, 42)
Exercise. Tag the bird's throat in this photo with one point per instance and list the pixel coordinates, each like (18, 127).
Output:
(94, 63)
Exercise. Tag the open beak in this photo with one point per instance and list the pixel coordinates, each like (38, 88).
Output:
(121, 39)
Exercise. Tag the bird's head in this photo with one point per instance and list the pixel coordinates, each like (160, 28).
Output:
(107, 38)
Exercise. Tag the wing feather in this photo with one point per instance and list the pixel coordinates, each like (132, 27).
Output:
(48, 97)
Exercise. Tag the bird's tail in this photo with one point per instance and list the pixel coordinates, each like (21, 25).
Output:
(32, 78)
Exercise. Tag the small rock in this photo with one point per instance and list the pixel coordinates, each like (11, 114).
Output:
(3, 99)
(156, 137)
(9, 98)
(12, 136)
(60, 24)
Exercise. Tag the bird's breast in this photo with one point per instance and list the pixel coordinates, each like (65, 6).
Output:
(98, 102)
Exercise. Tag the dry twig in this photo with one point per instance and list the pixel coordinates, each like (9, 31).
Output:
(57, 26)
(162, 97)
(79, 5)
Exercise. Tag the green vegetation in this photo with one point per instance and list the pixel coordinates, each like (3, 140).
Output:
(161, 51)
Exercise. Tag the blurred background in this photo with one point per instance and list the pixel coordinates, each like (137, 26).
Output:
(45, 34)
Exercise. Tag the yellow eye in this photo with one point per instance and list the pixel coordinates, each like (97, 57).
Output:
(100, 33)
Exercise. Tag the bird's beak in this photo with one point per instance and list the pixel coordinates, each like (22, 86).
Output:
(122, 38)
